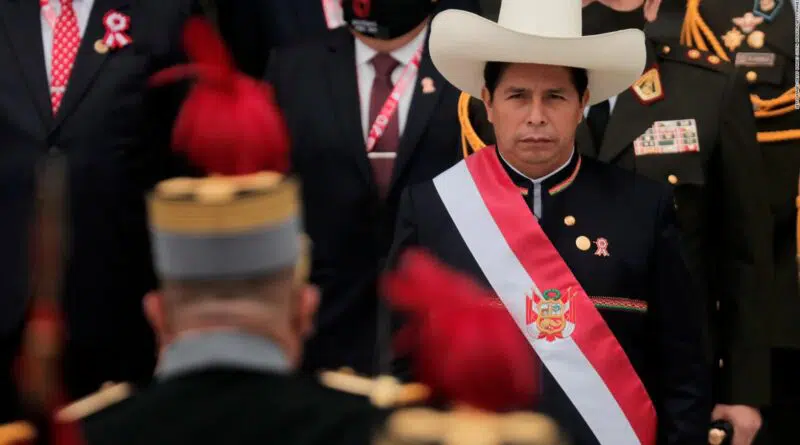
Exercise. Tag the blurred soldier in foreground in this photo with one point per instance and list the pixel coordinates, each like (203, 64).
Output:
(467, 349)
(234, 307)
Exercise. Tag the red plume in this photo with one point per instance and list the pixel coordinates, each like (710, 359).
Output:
(465, 345)
(229, 123)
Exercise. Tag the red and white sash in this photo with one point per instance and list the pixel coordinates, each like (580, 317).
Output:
(545, 299)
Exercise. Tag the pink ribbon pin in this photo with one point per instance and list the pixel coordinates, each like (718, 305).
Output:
(602, 247)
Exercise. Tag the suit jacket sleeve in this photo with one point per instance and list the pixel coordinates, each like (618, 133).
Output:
(683, 396)
(743, 283)
(155, 160)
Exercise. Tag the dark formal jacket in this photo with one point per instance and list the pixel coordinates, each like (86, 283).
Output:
(642, 289)
(232, 389)
(251, 28)
(766, 55)
(113, 131)
(349, 225)
(720, 198)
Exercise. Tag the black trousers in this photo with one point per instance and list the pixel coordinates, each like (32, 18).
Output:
(782, 416)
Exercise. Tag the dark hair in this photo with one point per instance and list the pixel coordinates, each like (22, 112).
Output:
(494, 71)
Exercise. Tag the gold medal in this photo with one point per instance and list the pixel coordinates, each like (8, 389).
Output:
(756, 39)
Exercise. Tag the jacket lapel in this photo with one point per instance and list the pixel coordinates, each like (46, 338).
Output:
(423, 104)
(627, 121)
(343, 88)
(583, 140)
(23, 27)
(88, 62)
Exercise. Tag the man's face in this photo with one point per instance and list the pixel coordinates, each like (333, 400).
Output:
(535, 110)
(651, 7)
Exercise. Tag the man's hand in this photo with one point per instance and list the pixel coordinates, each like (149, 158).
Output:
(746, 421)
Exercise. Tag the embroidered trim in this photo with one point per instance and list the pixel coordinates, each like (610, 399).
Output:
(624, 304)
(558, 188)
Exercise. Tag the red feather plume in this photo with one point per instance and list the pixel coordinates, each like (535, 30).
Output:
(230, 123)
(465, 345)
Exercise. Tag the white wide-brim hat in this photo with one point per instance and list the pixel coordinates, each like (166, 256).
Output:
(547, 32)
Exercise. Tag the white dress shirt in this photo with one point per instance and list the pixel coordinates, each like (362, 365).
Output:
(83, 9)
(366, 75)
(611, 102)
(537, 183)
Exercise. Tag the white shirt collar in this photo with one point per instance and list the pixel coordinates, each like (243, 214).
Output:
(364, 53)
(543, 178)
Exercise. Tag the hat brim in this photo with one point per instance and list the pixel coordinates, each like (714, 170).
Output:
(461, 43)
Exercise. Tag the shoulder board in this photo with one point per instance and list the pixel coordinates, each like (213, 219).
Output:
(470, 427)
(108, 395)
(17, 433)
(383, 391)
(672, 50)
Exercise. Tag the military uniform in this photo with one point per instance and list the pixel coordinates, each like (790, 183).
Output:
(689, 127)
(757, 36)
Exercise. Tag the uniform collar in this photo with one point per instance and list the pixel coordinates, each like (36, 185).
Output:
(229, 349)
(554, 182)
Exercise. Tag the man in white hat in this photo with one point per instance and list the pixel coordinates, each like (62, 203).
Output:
(585, 256)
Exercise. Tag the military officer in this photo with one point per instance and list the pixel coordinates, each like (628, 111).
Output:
(687, 122)
(234, 306)
(757, 37)
(584, 255)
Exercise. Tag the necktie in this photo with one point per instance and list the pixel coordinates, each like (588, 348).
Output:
(597, 120)
(382, 156)
(66, 40)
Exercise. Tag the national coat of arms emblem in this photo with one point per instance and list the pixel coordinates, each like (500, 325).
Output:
(549, 315)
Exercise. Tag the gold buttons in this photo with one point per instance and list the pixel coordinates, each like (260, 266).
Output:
(714, 60)
(666, 49)
(583, 243)
(569, 220)
(751, 76)
(721, 363)
(100, 47)
(693, 54)
(672, 179)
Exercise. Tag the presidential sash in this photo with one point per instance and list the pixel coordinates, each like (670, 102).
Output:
(545, 299)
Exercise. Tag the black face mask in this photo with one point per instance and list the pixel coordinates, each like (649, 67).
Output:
(386, 19)
(599, 19)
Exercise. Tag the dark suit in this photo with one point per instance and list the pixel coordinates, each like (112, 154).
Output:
(662, 338)
(114, 136)
(251, 28)
(721, 202)
(233, 406)
(349, 225)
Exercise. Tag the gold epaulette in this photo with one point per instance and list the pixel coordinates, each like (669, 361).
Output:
(383, 391)
(468, 427)
(695, 32)
(671, 49)
(470, 141)
(110, 394)
(17, 433)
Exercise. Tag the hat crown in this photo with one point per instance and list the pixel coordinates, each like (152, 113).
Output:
(546, 18)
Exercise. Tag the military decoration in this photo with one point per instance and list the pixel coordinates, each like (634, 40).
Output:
(648, 88)
(583, 243)
(748, 22)
(767, 9)
(733, 39)
(756, 39)
(602, 247)
(550, 316)
(667, 137)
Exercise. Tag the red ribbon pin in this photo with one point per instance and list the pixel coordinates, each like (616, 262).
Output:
(116, 24)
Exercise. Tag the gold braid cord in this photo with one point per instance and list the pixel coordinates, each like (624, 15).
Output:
(470, 141)
(695, 32)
